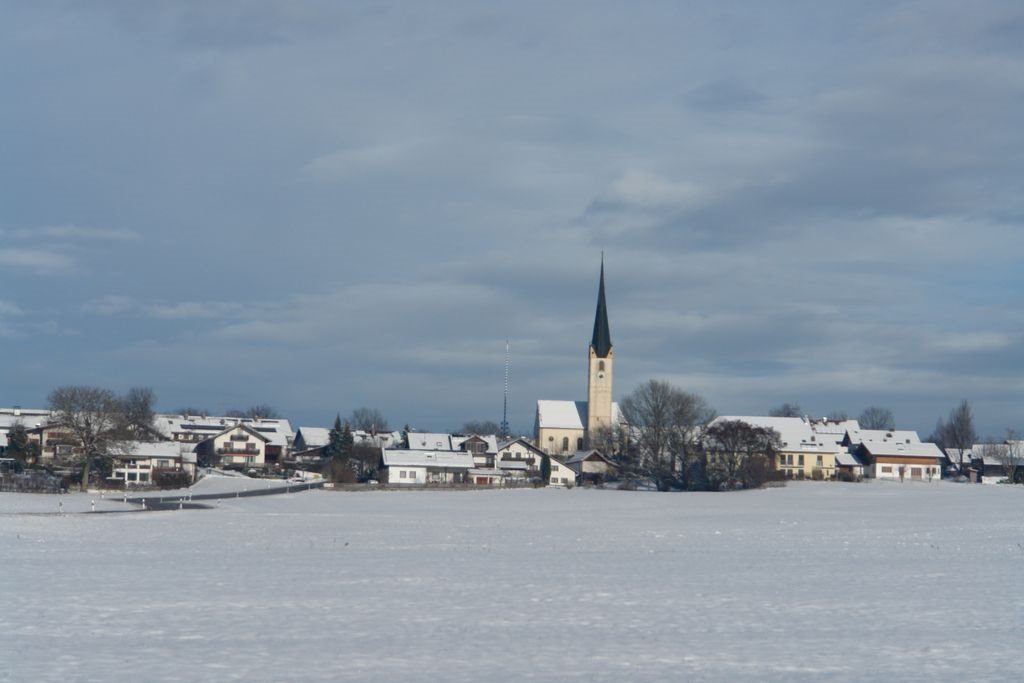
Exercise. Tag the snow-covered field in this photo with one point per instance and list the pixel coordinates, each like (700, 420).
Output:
(815, 581)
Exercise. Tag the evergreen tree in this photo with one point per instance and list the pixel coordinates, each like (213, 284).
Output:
(19, 446)
(545, 469)
(347, 443)
(334, 449)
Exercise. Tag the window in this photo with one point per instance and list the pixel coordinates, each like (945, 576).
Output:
(579, 444)
(412, 475)
(401, 474)
(886, 469)
(800, 460)
(565, 443)
(789, 458)
(820, 461)
(600, 366)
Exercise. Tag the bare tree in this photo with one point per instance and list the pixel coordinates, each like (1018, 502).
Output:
(201, 412)
(786, 410)
(482, 427)
(138, 414)
(957, 432)
(1011, 455)
(260, 411)
(876, 417)
(663, 424)
(738, 454)
(611, 440)
(101, 421)
(368, 420)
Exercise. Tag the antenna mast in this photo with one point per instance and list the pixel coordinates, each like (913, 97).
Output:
(504, 412)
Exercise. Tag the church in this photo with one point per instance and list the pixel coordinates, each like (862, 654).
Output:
(565, 427)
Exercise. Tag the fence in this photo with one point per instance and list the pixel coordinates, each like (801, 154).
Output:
(29, 482)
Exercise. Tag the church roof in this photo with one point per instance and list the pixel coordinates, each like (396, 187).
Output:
(601, 341)
(561, 414)
(568, 414)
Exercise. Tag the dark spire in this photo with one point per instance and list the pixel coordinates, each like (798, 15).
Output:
(602, 339)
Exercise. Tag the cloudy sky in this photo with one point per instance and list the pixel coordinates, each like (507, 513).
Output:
(323, 205)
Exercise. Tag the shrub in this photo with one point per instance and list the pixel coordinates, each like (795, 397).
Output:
(171, 479)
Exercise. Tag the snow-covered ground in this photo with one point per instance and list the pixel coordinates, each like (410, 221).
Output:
(815, 581)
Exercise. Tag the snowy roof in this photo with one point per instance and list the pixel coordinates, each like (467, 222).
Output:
(882, 435)
(490, 439)
(508, 444)
(430, 441)
(29, 417)
(561, 414)
(244, 428)
(567, 414)
(795, 433)
(513, 465)
(278, 431)
(903, 449)
(996, 453)
(834, 430)
(151, 449)
(380, 439)
(848, 459)
(415, 458)
(486, 471)
(314, 437)
(580, 456)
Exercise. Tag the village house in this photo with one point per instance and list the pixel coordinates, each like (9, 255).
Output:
(901, 460)
(277, 432)
(590, 466)
(561, 474)
(29, 418)
(307, 438)
(803, 453)
(140, 462)
(402, 467)
(995, 461)
(239, 446)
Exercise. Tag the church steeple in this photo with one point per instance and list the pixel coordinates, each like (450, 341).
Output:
(601, 342)
(600, 362)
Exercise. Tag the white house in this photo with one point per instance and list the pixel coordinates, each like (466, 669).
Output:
(901, 460)
(140, 460)
(237, 447)
(561, 474)
(277, 432)
(412, 467)
(307, 438)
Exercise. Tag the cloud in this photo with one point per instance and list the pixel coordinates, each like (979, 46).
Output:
(72, 232)
(110, 305)
(7, 308)
(974, 342)
(355, 160)
(723, 95)
(39, 261)
(185, 310)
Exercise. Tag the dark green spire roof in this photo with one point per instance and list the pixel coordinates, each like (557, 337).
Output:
(602, 339)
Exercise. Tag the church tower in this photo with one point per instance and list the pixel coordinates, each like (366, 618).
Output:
(601, 359)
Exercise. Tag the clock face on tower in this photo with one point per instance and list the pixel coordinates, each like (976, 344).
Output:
(600, 375)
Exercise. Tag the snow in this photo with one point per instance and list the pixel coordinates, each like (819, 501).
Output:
(815, 581)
